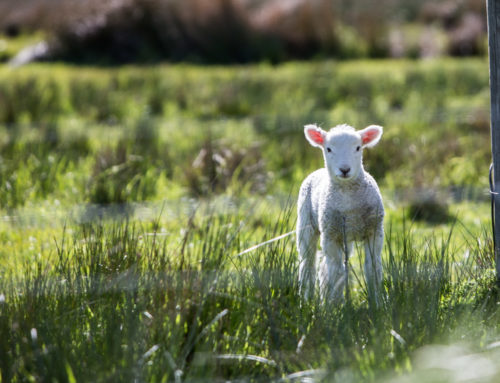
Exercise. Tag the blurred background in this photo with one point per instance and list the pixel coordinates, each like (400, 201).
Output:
(145, 144)
(241, 31)
(140, 100)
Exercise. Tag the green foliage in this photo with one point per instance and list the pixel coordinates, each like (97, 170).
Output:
(435, 116)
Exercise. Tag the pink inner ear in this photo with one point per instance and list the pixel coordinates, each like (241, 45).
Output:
(316, 136)
(369, 135)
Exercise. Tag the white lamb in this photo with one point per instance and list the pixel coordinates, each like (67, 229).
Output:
(339, 198)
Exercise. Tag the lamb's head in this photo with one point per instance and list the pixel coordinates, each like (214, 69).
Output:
(343, 147)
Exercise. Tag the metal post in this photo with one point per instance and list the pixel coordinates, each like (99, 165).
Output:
(493, 11)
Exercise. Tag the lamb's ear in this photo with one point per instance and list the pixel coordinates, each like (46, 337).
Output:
(315, 136)
(371, 135)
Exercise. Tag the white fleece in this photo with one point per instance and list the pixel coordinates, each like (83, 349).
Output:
(342, 193)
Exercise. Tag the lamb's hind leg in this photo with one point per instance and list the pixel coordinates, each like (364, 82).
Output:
(373, 263)
(307, 244)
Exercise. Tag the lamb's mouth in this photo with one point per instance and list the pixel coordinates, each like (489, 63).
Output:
(344, 177)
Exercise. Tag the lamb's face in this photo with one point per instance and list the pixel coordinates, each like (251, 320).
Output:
(343, 148)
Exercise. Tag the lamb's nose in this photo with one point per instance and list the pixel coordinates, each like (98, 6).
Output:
(345, 171)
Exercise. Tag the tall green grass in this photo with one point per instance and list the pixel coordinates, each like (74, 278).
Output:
(120, 301)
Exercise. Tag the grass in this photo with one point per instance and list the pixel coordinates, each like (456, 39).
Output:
(141, 305)
(127, 196)
(95, 123)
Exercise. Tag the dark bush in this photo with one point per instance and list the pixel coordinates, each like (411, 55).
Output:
(429, 207)
(237, 31)
(149, 30)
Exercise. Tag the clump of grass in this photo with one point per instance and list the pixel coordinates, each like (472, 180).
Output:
(34, 163)
(219, 169)
(429, 207)
(119, 176)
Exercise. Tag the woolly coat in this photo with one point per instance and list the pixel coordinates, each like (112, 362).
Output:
(325, 203)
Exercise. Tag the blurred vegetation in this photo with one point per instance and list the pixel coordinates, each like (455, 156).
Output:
(142, 133)
(241, 31)
(113, 267)
(128, 194)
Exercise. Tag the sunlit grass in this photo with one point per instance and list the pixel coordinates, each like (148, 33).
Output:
(126, 299)
(128, 197)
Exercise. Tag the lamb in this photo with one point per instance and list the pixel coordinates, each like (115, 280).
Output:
(339, 199)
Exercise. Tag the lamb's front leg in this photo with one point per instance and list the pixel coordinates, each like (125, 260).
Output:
(307, 243)
(331, 273)
(373, 263)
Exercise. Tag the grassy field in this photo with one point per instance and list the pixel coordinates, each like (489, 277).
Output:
(127, 196)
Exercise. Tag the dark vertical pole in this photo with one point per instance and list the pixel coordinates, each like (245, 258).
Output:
(493, 10)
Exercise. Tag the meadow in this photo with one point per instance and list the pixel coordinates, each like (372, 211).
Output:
(129, 195)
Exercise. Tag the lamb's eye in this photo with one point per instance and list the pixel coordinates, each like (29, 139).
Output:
(357, 149)
(328, 150)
